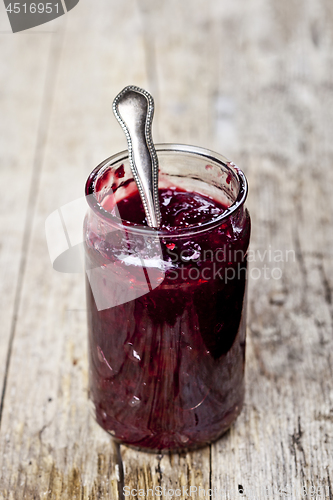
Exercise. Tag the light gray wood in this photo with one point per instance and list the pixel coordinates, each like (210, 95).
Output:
(20, 142)
(283, 440)
(252, 80)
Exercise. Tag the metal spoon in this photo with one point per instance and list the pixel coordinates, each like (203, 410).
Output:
(134, 108)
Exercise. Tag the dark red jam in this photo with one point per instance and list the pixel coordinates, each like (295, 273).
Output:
(178, 209)
(167, 367)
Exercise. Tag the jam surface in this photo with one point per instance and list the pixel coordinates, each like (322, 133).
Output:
(167, 368)
(178, 209)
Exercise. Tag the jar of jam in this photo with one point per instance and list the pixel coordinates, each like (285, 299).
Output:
(167, 306)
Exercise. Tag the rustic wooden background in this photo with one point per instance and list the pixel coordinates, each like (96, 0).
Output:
(251, 79)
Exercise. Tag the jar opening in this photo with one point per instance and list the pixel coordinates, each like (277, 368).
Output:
(188, 167)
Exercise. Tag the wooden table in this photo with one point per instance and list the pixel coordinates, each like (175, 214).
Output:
(251, 79)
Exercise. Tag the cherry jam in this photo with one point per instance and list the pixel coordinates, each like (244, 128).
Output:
(167, 366)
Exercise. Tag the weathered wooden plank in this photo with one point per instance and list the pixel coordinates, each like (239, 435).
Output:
(183, 54)
(168, 475)
(279, 445)
(21, 97)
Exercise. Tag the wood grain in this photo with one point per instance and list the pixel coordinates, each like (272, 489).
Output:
(20, 137)
(252, 80)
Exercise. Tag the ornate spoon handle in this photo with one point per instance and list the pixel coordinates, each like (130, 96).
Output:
(134, 109)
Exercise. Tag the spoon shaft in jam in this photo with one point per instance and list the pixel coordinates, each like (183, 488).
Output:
(134, 109)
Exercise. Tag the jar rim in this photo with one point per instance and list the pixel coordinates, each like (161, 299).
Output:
(179, 231)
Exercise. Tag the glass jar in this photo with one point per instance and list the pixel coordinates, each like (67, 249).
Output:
(167, 309)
